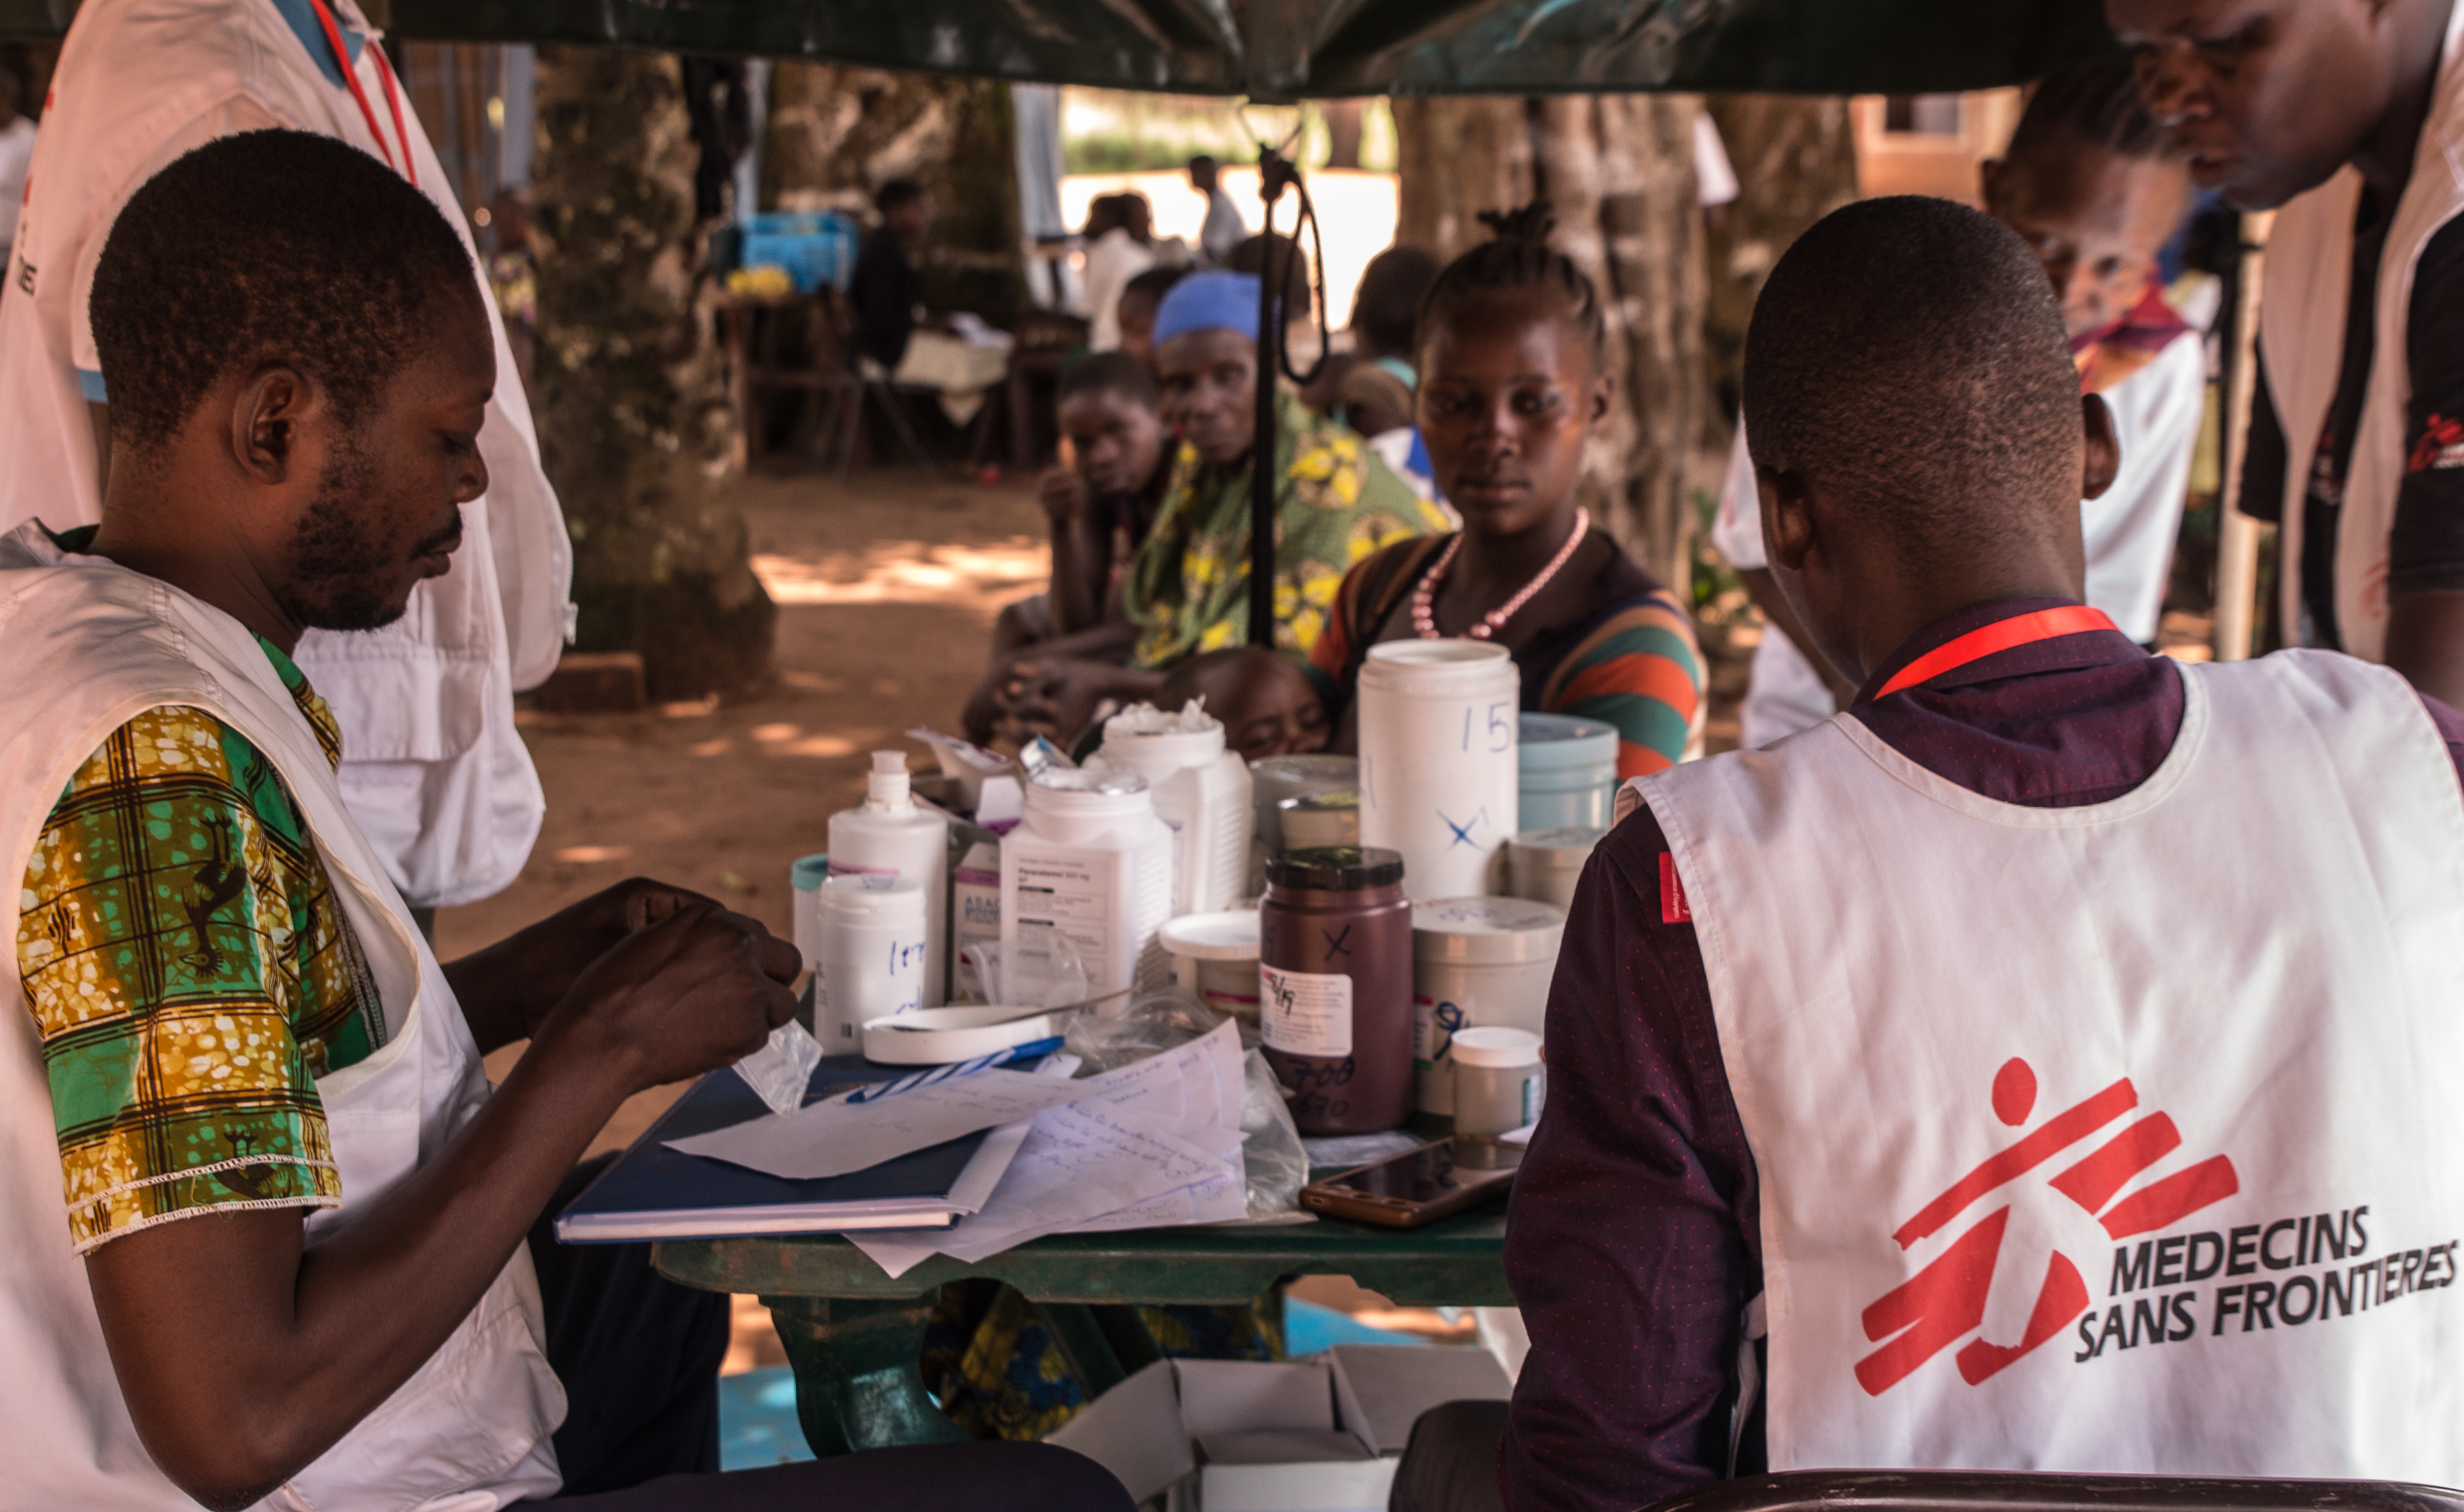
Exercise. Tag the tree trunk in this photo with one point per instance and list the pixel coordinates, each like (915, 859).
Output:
(836, 134)
(1795, 158)
(1342, 133)
(1618, 173)
(633, 420)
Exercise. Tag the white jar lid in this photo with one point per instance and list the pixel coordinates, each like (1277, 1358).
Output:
(1563, 846)
(1229, 936)
(1494, 1048)
(1486, 932)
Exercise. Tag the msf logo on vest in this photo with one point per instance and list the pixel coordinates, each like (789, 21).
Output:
(1946, 1301)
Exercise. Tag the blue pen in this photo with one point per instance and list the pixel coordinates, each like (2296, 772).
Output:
(945, 1073)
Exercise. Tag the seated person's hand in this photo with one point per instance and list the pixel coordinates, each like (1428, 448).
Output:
(1063, 495)
(692, 988)
(1053, 696)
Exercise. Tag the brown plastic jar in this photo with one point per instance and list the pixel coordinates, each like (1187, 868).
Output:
(1335, 986)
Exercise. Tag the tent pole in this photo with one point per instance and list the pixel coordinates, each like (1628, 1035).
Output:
(1273, 173)
(2237, 535)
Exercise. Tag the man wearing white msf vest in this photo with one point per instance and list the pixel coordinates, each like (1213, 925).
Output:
(2349, 114)
(299, 1261)
(2037, 1065)
(435, 771)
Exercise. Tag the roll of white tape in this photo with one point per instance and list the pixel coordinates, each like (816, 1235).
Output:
(940, 1035)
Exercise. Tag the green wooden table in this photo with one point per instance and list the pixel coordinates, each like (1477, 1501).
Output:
(853, 1334)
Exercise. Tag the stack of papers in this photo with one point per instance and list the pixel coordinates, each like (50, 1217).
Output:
(1150, 1145)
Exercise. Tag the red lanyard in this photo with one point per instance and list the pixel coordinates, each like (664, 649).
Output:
(351, 77)
(2020, 629)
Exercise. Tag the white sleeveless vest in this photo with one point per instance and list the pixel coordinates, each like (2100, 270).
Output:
(89, 644)
(2301, 341)
(2108, 1138)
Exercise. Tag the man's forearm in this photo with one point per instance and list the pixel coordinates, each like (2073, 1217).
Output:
(2425, 642)
(1076, 584)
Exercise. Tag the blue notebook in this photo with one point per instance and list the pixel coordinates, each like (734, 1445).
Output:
(655, 1192)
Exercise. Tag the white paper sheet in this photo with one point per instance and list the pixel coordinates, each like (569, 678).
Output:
(832, 1138)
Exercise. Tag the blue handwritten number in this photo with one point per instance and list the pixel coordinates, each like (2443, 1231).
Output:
(1501, 731)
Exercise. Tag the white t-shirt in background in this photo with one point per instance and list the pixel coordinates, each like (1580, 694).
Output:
(16, 152)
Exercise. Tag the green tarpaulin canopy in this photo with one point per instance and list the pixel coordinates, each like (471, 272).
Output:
(1291, 49)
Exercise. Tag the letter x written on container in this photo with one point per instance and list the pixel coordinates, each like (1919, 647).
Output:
(1946, 1301)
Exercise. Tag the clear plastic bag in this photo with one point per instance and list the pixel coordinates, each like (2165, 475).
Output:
(1275, 1166)
(1041, 970)
(783, 1067)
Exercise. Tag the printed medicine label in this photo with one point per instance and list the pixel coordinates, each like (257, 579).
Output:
(1304, 1012)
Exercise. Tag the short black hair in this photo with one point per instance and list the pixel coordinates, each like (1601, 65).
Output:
(268, 245)
(1111, 373)
(1518, 260)
(1387, 308)
(1154, 283)
(2097, 104)
(895, 193)
(1909, 354)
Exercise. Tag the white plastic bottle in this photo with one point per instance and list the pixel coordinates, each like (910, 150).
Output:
(1201, 793)
(1438, 728)
(874, 958)
(892, 838)
(1092, 862)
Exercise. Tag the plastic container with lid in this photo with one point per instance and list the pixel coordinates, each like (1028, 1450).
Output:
(804, 878)
(1090, 861)
(1476, 962)
(1334, 963)
(1201, 793)
(1439, 733)
(1274, 780)
(891, 838)
(1567, 775)
(1214, 958)
(1544, 864)
(872, 961)
(1330, 817)
(1499, 1081)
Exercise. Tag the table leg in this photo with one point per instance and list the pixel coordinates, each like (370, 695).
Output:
(856, 1381)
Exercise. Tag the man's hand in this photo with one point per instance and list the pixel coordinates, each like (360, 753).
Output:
(1056, 695)
(1062, 493)
(508, 989)
(244, 1354)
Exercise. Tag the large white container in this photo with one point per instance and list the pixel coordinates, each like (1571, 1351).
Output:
(1439, 727)
(874, 957)
(1090, 861)
(1201, 793)
(1476, 962)
(892, 838)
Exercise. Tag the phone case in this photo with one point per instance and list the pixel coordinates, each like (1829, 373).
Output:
(1336, 1197)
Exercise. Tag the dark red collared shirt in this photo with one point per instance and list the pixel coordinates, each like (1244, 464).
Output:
(1634, 1240)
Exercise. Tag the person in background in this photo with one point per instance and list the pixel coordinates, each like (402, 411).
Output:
(2357, 434)
(1371, 387)
(1188, 588)
(2088, 182)
(1135, 310)
(1115, 256)
(1881, 1040)
(1268, 706)
(16, 154)
(299, 1246)
(883, 288)
(1513, 382)
(435, 770)
(1100, 504)
(1224, 228)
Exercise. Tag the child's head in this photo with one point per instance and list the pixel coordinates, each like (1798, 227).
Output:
(1109, 409)
(1512, 377)
(2087, 184)
(1374, 400)
(1137, 310)
(1265, 701)
(1387, 308)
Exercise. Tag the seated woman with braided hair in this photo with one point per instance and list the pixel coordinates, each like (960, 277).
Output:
(1512, 383)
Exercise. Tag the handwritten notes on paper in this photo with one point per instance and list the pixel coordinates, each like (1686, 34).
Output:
(832, 1138)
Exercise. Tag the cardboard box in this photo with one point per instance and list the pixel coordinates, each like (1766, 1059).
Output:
(1229, 1435)
(1396, 1382)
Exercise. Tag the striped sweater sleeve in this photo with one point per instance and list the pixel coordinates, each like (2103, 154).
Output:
(1639, 670)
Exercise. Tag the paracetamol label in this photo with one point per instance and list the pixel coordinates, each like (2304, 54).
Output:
(1304, 1012)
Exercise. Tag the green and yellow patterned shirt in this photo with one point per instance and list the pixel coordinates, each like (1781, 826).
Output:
(1336, 503)
(191, 975)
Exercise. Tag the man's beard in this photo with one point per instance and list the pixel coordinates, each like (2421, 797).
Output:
(340, 576)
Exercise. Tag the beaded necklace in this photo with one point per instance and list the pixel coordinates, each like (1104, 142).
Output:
(1424, 598)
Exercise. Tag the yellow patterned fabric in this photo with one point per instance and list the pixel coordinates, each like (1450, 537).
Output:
(1188, 589)
(191, 975)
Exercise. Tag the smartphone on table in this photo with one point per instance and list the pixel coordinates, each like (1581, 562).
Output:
(1405, 1190)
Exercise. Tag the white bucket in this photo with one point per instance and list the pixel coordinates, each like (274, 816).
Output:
(1476, 962)
(1215, 959)
(1438, 730)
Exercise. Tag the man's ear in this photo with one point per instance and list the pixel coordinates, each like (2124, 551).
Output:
(2103, 449)
(1788, 519)
(1988, 178)
(265, 424)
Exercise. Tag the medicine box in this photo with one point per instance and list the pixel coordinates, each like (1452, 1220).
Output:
(1310, 1435)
